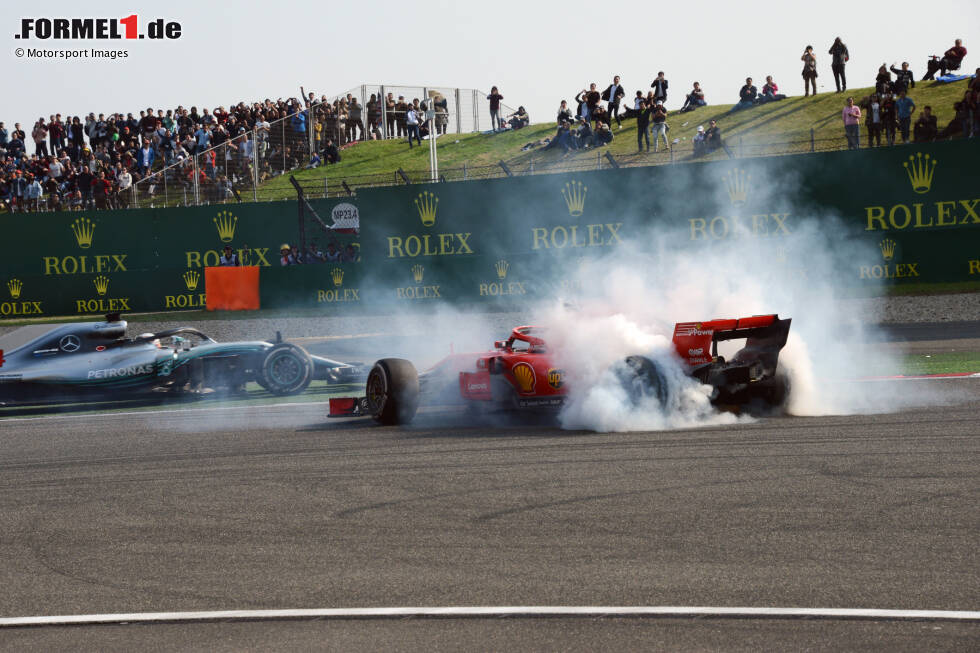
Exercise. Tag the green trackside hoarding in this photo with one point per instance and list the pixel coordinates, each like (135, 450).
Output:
(494, 241)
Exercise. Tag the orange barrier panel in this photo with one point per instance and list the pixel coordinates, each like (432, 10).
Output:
(232, 288)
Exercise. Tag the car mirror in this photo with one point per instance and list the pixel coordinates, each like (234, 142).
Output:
(499, 344)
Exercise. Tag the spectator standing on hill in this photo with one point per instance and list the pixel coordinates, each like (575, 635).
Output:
(889, 117)
(904, 106)
(412, 124)
(809, 71)
(592, 99)
(354, 121)
(873, 119)
(390, 116)
(643, 126)
(401, 109)
(964, 113)
(4, 136)
(659, 86)
(712, 137)
(839, 57)
(495, 97)
(694, 99)
(612, 95)
(40, 135)
(658, 120)
(926, 127)
(582, 107)
(904, 79)
(852, 124)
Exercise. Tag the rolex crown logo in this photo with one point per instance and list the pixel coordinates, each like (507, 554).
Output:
(574, 193)
(191, 279)
(101, 284)
(337, 275)
(14, 286)
(417, 272)
(920, 170)
(887, 247)
(226, 223)
(737, 182)
(83, 229)
(502, 266)
(427, 204)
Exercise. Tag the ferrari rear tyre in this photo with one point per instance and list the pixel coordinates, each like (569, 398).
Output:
(642, 378)
(287, 369)
(393, 391)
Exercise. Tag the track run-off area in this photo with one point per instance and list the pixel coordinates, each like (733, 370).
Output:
(764, 530)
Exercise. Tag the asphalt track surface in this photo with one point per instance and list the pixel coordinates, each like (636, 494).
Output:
(277, 507)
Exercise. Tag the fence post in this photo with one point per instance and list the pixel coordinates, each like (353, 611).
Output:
(255, 166)
(459, 126)
(326, 189)
(464, 170)
(165, 197)
(197, 184)
(135, 196)
(382, 98)
(811, 139)
(282, 121)
(598, 161)
(741, 152)
(476, 113)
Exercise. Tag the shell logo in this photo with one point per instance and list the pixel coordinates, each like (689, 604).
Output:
(524, 374)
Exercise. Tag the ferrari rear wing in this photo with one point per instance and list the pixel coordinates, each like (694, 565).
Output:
(762, 333)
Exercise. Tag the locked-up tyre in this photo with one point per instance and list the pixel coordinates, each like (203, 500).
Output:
(393, 391)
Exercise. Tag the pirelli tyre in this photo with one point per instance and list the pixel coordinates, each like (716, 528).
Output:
(643, 379)
(286, 369)
(393, 391)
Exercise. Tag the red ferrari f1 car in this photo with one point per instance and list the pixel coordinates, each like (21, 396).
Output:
(522, 373)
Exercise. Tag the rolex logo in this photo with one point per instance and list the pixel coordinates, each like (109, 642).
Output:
(574, 193)
(337, 275)
(191, 279)
(101, 284)
(501, 267)
(14, 286)
(887, 247)
(417, 273)
(83, 229)
(737, 182)
(427, 204)
(226, 223)
(920, 170)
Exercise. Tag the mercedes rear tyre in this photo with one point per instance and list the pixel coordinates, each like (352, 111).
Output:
(393, 391)
(642, 378)
(287, 369)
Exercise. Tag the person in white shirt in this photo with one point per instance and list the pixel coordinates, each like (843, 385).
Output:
(412, 123)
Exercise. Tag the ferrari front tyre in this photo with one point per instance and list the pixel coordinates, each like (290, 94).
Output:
(642, 378)
(286, 369)
(393, 391)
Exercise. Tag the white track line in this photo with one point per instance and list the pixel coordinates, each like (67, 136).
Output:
(169, 411)
(499, 611)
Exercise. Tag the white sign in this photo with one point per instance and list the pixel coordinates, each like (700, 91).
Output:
(346, 217)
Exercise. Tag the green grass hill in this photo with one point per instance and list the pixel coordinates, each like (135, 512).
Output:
(782, 127)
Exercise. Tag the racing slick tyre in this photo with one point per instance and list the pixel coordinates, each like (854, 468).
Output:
(393, 391)
(642, 378)
(287, 369)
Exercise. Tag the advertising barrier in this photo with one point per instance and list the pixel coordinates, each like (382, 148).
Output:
(498, 241)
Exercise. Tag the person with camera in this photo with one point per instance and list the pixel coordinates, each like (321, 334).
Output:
(809, 60)
(658, 120)
(564, 113)
(746, 96)
(659, 86)
(770, 92)
(840, 56)
(612, 96)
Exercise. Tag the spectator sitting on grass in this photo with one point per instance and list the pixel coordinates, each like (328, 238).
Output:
(583, 135)
(519, 118)
(561, 139)
(770, 92)
(746, 95)
(601, 116)
(926, 127)
(564, 113)
(694, 99)
(603, 135)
